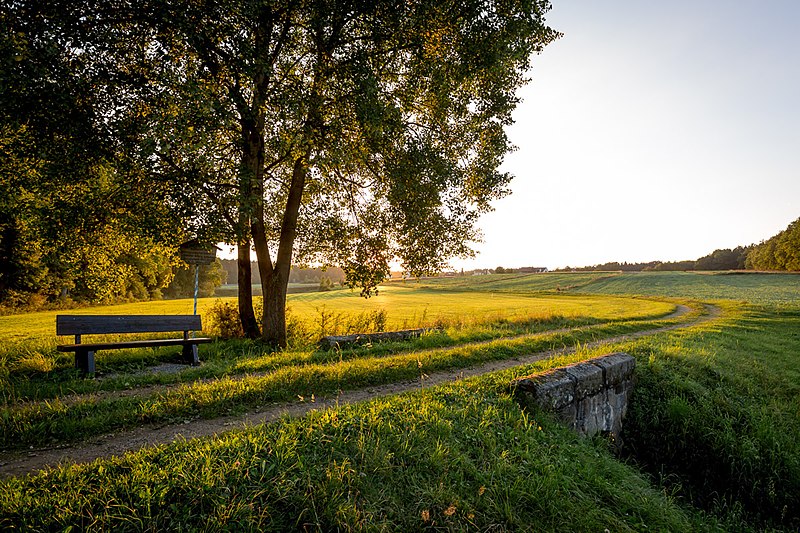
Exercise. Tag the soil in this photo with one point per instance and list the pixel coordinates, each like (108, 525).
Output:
(118, 443)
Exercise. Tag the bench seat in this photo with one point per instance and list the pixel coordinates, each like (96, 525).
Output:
(80, 325)
(146, 343)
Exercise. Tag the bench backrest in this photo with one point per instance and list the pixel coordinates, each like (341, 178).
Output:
(100, 324)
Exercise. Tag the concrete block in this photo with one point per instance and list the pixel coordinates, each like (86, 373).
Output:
(590, 397)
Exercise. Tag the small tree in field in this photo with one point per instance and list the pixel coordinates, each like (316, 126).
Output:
(334, 132)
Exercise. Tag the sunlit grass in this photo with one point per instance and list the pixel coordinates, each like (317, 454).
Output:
(777, 289)
(525, 282)
(713, 422)
(290, 375)
(459, 456)
(29, 338)
(408, 305)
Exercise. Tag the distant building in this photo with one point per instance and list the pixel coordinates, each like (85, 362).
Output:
(531, 270)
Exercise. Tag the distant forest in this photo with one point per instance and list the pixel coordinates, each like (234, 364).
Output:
(781, 252)
(297, 274)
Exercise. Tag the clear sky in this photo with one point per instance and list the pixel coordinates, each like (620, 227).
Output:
(652, 130)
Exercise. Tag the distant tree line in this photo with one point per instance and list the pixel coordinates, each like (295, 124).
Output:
(781, 252)
(297, 274)
(723, 259)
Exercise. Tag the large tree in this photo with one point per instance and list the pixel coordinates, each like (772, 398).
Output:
(336, 132)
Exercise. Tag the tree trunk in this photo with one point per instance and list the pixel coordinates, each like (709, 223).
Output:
(276, 283)
(251, 172)
(274, 331)
(243, 277)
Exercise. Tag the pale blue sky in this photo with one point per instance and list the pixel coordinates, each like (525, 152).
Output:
(653, 130)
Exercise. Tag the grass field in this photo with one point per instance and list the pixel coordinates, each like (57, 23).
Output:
(774, 289)
(406, 306)
(710, 440)
(409, 305)
(509, 282)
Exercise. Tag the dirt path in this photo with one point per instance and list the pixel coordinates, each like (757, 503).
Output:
(115, 444)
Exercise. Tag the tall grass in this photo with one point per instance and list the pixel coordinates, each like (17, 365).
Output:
(458, 457)
(716, 415)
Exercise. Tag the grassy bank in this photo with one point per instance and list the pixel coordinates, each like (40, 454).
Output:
(716, 415)
(461, 456)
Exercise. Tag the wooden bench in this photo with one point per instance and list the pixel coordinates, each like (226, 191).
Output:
(80, 325)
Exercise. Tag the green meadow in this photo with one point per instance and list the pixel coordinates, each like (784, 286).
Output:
(770, 289)
(406, 305)
(710, 441)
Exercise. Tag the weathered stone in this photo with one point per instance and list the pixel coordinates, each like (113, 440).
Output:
(617, 367)
(617, 406)
(591, 397)
(568, 414)
(588, 379)
(346, 341)
(554, 389)
(590, 415)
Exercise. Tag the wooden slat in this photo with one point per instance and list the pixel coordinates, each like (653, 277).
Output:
(101, 324)
(146, 343)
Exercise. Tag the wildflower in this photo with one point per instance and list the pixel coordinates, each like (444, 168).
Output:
(426, 515)
(450, 511)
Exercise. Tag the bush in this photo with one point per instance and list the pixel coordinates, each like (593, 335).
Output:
(223, 320)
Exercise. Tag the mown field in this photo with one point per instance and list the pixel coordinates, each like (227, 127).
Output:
(406, 305)
(752, 287)
(710, 442)
(769, 289)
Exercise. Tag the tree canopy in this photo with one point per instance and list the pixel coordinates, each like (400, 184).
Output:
(780, 252)
(73, 218)
(323, 132)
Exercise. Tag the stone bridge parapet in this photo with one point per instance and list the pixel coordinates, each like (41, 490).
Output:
(590, 396)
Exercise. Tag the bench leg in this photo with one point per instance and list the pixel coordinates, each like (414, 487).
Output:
(190, 354)
(84, 361)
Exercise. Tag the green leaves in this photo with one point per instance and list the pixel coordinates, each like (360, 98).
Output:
(781, 252)
(332, 132)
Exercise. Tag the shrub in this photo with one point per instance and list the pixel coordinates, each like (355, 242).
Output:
(223, 318)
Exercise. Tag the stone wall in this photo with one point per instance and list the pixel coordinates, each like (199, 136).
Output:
(590, 396)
